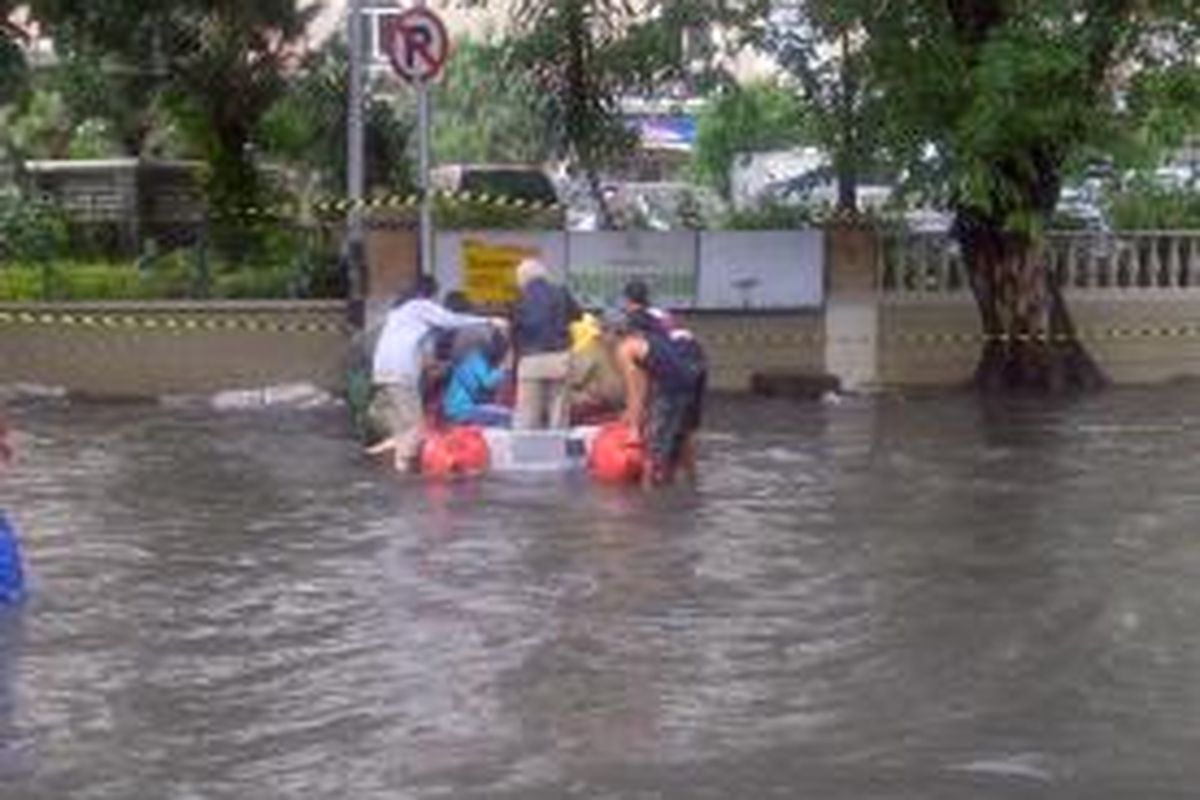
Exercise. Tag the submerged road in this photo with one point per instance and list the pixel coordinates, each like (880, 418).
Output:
(896, 598)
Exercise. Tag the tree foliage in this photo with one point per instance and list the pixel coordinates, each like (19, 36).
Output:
(111, 63)
(217, 66)
(988, 103)
(40, 127)
(483, 113)
(754, 118)
(585, 56)
(1147, 205)
(1165, 107)
(568, 52)
(306, 127)
(988, 100)
(819, 45)
(228, 74)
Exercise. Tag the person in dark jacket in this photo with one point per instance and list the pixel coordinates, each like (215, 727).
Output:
(541, 337)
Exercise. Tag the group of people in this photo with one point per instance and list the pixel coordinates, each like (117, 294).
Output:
(550, 364)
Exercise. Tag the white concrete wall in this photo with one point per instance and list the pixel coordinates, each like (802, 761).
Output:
(711, 270)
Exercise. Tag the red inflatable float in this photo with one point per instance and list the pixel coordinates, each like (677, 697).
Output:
(616, 456)
(454, 451)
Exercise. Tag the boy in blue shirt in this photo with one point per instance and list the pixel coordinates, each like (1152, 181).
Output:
(470, 394)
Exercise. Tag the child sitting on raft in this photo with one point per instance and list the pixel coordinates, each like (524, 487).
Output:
(477, 375)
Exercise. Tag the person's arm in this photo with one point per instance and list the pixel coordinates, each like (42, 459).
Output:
(574, 310)
(490, 377)
(637, 383)
(438, 317)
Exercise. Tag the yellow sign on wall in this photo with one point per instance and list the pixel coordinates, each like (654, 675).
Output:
(490, 270)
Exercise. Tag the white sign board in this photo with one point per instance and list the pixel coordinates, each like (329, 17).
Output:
(601, 263)
(712, 270)
(762, 269)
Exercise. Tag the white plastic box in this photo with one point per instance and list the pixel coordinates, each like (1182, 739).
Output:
(539, 451)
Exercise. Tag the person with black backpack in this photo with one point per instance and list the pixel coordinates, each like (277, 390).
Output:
(666, 376)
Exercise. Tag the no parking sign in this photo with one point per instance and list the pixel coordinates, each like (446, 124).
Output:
(417, 44)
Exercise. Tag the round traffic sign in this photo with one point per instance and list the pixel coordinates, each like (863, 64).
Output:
(417, 45)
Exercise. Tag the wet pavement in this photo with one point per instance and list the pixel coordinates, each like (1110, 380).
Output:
(922, 597)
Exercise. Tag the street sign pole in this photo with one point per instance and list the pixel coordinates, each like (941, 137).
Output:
(418, 46)
(423, 124)
(355, 140)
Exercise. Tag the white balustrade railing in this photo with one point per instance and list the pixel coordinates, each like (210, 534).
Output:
(923, 264)
(920, 264)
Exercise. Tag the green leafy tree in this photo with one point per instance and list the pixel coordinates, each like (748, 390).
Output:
(1146, 205)
(988, 103)
(748, 119)
(217, 67)
(40, 127)
(818, 44)
(486, 114)
(49, 122)
(127, 102)
(306, 127)
(227, 65)
(114, 62)
(586, 55)
(1166, 106)
(568, 53)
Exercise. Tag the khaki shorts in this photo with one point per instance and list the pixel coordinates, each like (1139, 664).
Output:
(397, 410)
(542, 400)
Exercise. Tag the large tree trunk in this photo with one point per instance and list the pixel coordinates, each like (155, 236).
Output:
(846, 160)
(1030, 341)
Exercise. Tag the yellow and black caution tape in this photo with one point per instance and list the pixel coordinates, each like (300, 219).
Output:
(1083, 334)
(206, 322)
(340, 206)
(183, 323)
(935, 338)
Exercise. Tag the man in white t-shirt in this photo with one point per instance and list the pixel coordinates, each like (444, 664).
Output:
(397, 365)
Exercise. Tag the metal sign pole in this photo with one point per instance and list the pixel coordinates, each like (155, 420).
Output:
(418, 46)
(424, 115)
(423, 122)
(355, 141)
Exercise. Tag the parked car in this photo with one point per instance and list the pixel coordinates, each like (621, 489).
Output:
(528, 182)
(1079, 208)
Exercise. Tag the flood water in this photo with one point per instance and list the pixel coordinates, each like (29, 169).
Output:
(894, 598)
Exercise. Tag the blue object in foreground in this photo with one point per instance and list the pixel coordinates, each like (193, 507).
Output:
(12, 575)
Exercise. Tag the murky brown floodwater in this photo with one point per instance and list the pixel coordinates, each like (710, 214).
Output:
(885, 599)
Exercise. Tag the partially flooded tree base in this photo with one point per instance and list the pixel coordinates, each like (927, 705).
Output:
(1052, 368)
(1031, 344)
